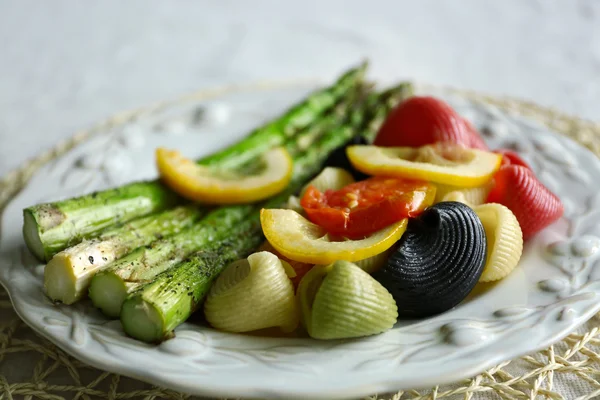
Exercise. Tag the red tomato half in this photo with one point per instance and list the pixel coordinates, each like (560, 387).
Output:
(364, 207)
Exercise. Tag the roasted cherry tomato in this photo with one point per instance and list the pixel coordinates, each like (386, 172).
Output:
(364, 207)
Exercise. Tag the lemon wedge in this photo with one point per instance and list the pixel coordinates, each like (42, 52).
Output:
(298, 239)
(209, 185)
(447, 164)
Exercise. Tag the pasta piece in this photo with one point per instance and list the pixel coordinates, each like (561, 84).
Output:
(341, 300)
(251, 294)
(473, 196)
(330, 178)
(458, 196)
(504, 238)
(299, 268)
(293, 203)
(438, 262)
(372, 264)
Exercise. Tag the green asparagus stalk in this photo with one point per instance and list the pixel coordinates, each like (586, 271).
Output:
(153, 311)
(185, 286)
(392, 97)
(51, 227)
(68, 274)
(296, 119)
(110, 287)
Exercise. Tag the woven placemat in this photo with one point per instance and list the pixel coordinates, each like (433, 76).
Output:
(32, 367)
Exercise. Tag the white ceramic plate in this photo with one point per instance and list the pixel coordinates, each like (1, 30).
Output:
(555, 288)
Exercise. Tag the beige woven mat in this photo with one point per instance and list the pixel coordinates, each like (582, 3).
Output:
(31, 367)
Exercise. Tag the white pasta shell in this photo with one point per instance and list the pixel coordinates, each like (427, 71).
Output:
(372, 264)
(473, 196)
(253, 294)
(504, 240)
(293, 203)
(456, 196)
(330, 178)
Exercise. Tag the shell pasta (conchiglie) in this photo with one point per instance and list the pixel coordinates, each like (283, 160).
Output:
(458, 196)
(474, 196)
(253, 294)
(372, 264)
(299, 268)
(505, 240)
(342, 301)
(330, 178)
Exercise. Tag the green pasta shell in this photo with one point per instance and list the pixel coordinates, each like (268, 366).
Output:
(341, 300)
(252, 294)
(504, 240)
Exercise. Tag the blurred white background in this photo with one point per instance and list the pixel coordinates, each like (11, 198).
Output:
(67, 64)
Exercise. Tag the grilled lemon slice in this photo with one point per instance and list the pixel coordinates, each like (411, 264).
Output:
(439, 163)
(210, 185)
(298, 239)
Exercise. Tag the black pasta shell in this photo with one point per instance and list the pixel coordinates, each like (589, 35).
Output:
(438, 261)
(339, 159)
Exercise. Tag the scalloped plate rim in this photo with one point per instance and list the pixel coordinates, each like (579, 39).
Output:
(296, 395)
(372, 386)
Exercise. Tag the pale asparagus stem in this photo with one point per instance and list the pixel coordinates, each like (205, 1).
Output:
(51, 227)
(67, 275)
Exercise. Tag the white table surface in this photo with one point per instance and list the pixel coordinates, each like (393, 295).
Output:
(67, 64)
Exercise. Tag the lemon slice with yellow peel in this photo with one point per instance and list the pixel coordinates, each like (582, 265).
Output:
(298, 239)
(447, 164)
(209, 185)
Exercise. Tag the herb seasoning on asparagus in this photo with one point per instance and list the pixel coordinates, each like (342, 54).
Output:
(51, 227)
(153, 311)
(68, 274)
(110, 287)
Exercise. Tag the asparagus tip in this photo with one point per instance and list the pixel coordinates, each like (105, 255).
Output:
(364, 64)
(399, 92)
